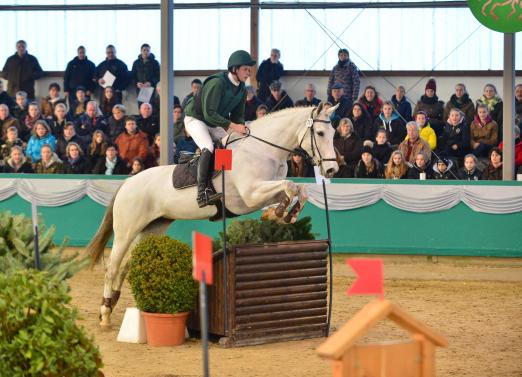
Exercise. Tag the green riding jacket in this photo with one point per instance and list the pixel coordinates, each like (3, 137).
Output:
(219, 102)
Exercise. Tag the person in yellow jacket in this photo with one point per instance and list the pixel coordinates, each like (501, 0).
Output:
(426, 133)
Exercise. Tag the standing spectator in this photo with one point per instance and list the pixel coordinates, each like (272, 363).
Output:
(470, 172)
(145, 70)
(147, 122)
(5, 98)
(421, 165)
(494, 103)
(518, 103)
(401, 103)
(269, 70)
(89, 122)
(368, 166)
(460, 100)
(299, 167)
(50, 163)
(279, 99)
(57, 122)
(47, 104)
(78, 104)
(349, 146)
(483, 132)
(396, 167)
(115, 66)
(69, 135)
(33, 115)
(414, 144)
(21, 70)
(252, 103)
(79, 72)
(346, 73)
(75, 162)
(309, 97)
(345, 104)
(7, 121)
(41, 136)
(390, 121)
(11, 140)
(20, 108)
(518, 147)
(17, 162)
(132, 143)
(109, 100)
(455, 139)
(493, 172)
(371, 101)
(112, 164)
(179, 125)
(116, 122)
(381, 149)
(96, 150)
(430, 104)
(362, 122)
(426, 132)
(195, 85)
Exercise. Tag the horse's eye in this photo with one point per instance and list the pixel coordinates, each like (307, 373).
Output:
(320, 133)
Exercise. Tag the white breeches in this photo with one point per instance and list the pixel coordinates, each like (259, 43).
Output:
(203, 135)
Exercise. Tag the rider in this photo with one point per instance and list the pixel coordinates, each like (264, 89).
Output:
(218, 107)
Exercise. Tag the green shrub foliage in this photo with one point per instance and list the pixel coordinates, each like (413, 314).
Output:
(17, 248)
(250, 231)
(38, 332)
(160, 275)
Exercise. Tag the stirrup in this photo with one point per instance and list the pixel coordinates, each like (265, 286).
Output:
(208, 197)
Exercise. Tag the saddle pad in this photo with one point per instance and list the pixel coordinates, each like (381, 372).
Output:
(186, 175)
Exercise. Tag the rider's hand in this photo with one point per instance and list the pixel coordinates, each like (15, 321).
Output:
(239, 128)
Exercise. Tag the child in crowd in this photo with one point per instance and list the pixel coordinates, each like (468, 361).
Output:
(493, 172)
(11, 140)
(261, 111)
(442, 169)
(390, 121)
(20, 109)
(455, 139)
(79, 103)
(396, 167)
(421, 165)
(97, 148)
(299, 167)
(137, 166)
(362, 122)
(33, 115)
(368, 166)
(381, 149)
(57, 123)
(50, 163)
(112, 164)
(17, 162)
(108, 101)
(41, 136)
(483, 132)
(470, 172)
(75, 162)
(348, 145)
(426, 133)
(47, 104)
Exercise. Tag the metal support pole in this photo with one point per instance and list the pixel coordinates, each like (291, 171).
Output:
(166, 82)
(204, 322)
(225, 259)
(508, 165)
(330, 293)
(254, 38)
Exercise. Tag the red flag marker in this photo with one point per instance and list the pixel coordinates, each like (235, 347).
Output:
(202, 257)
(369, 279)
(223, 159)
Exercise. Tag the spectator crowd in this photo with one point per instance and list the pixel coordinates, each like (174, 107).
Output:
(69, 131)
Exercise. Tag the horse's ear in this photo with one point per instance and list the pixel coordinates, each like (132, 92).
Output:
(330, 110)
(318, 110)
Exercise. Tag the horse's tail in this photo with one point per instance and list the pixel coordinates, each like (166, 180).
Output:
(97, 245)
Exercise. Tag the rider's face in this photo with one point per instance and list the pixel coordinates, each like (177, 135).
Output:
(243, 73)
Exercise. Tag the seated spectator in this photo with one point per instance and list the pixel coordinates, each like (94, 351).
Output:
(41, 135)
(494, 104)
(252, 102)
(460, 100)
(50, 163)
(185, 147)
(261, 111)
(155, 101)
(470, 172)
(78, 103)
(426, 133)
(368, 167)
(483, 132)
(371, 102)
(401, 103)
(392, 123)
(153, 158)
(434, 109)
(455, 138)
(421, 165)
(97, 148)
(343, 102)
(349, 146)
(278, 99)
(413, 144)
(147, 122)
(309, 97)
(89, 122)
(57, 123)
(69, 135)
(137, 166)
(298, 167)
(109, 100)
(17, 162)
(20, 107)
(75, 162)
(33, 115)
(5, 98)
(47, 104)
(7, 121)
(195, 85)
(442, 169)
(132, 142)
(11, 140)
(362, 122)
(116, 122)
(518, 104)
(518, 147)
(179, 125)
(396, 167)
(493, 172)
(381, 148)
(112, 164)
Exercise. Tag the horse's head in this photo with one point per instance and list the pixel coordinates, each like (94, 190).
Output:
(317, 140)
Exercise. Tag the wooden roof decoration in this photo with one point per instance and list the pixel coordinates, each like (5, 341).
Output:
(353, 330)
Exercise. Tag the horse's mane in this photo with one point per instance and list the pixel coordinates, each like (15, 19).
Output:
(270, 118)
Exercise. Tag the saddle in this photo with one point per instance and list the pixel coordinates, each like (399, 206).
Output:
(185, 174)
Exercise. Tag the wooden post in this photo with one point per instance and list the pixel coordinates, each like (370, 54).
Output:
(427, 353)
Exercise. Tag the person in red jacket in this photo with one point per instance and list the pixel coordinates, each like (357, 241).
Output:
(518, 148)
(132, 143)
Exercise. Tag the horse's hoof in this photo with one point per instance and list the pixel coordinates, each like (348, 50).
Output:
(105, 327)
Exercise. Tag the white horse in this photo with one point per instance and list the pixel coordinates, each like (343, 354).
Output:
(148, 203)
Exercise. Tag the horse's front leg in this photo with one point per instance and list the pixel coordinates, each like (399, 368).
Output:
(260, 194)
(302, 197)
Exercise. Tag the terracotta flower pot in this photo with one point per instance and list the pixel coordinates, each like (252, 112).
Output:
(165, 329)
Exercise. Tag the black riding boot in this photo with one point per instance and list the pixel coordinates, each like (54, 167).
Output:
(206, 193)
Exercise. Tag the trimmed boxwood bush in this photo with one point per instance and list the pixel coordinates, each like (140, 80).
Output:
(38, 331)
(160, 275)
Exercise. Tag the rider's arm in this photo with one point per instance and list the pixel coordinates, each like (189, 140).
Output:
(237, 115)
